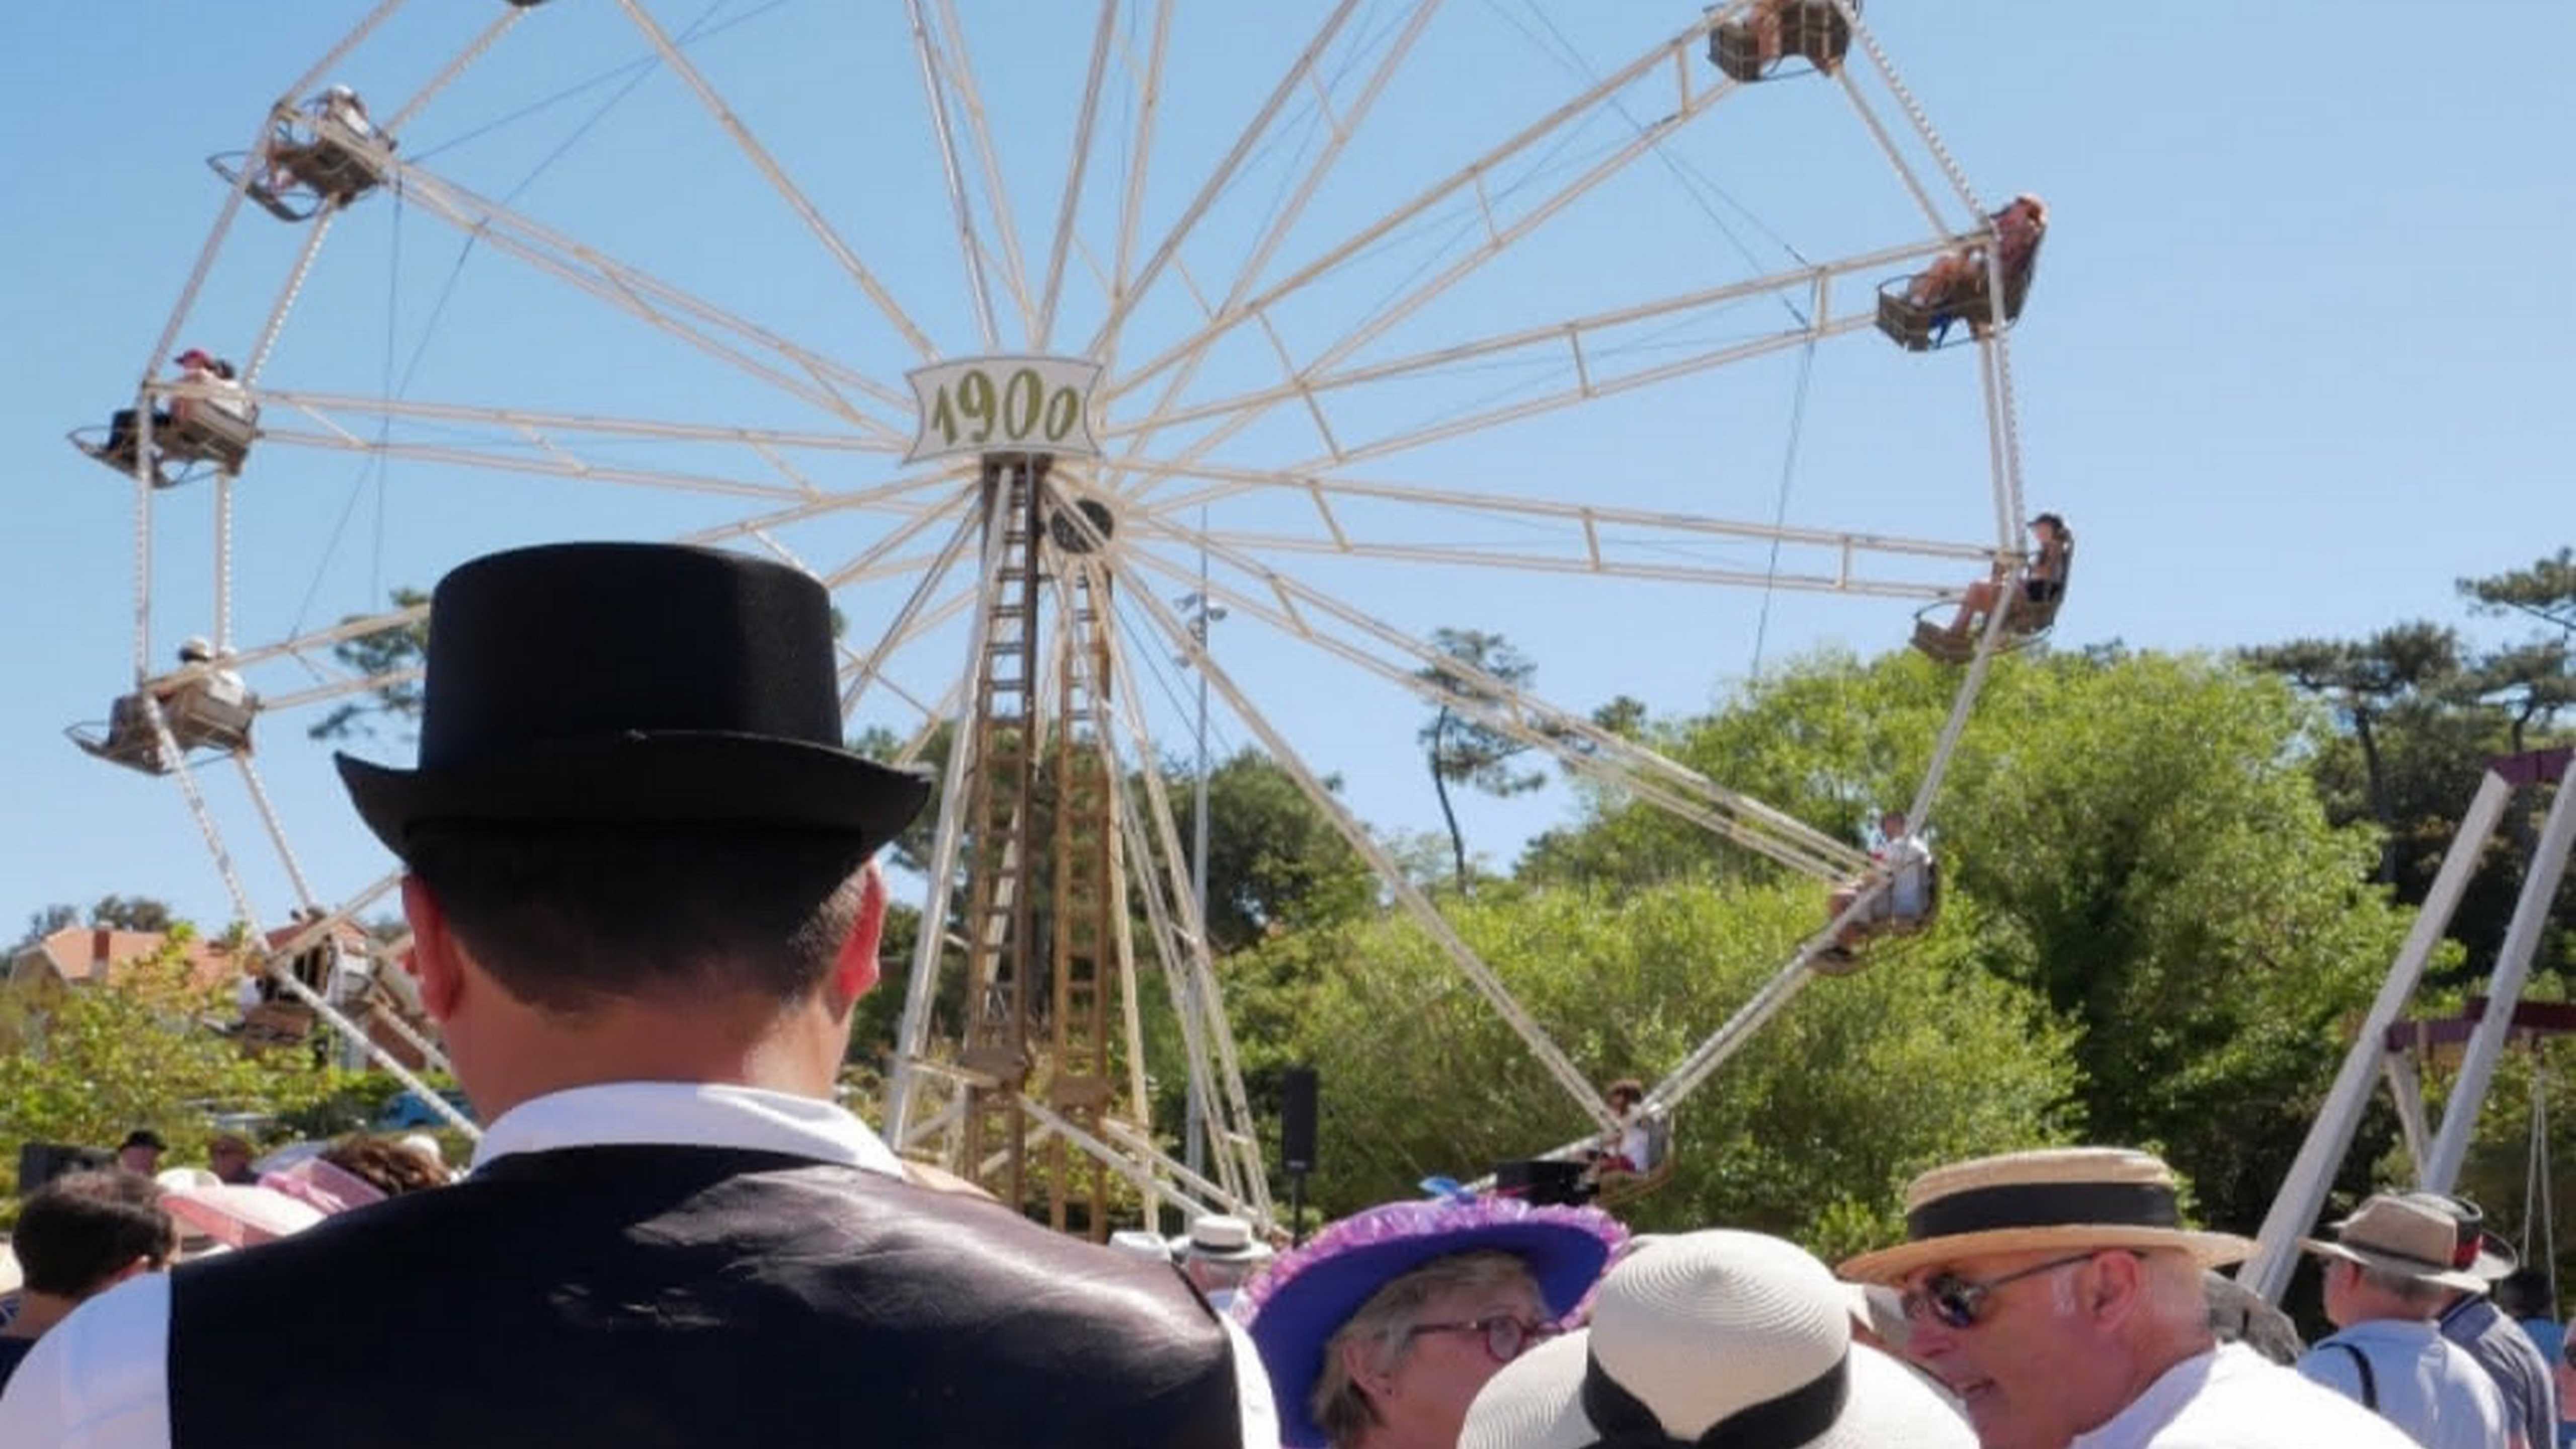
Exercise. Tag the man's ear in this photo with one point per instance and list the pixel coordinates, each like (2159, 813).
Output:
(2119, 1286)
(854, 970)
(437, 958)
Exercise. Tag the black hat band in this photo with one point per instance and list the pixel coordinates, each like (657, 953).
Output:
(1786, 1421)
(2046, 1205)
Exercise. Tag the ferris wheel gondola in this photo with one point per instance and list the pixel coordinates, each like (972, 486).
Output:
(1016, 500)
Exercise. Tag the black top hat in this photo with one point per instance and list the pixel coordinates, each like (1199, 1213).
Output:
(632, 683)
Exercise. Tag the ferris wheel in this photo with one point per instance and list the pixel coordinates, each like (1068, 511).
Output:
(1117, 322)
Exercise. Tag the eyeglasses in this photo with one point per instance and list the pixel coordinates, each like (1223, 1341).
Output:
(1506, 1337)
(1956, 1302)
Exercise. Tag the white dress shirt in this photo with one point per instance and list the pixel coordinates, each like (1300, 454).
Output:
(100, 1379)
(2234, 1398)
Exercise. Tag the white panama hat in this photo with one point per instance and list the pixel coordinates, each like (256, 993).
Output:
(1728, 1331)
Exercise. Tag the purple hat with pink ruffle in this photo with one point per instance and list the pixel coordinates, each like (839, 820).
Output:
(1293, 1310)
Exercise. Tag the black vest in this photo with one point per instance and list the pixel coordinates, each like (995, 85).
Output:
(661, 1297)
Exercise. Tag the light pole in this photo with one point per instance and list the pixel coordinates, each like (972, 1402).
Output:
(1200, 613)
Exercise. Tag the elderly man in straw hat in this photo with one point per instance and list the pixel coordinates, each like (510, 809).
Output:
(2058, 1294)
(639, 871)
(1718, 1338)
(2387, 1274)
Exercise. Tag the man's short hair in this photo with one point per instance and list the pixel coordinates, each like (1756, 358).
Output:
(567, 917)
(79, 1230)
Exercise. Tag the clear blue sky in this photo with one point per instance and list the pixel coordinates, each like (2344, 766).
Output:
(2295, 362)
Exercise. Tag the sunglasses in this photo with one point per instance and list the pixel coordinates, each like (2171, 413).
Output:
(1956, 1302)
(1506, 1337)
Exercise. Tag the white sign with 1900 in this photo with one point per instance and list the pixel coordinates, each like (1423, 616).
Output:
(1005, 405)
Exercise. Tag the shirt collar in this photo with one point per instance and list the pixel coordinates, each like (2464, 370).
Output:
(2156, 1407)
(687, 1114)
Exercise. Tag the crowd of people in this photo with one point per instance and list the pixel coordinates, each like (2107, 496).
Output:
(645, 911)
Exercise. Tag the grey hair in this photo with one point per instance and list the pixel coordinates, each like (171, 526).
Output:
(1341, 1408)
(2406, 1288)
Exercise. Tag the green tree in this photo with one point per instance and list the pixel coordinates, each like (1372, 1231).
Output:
(2389, 690)
(1276, 861)
(393, 657)
(115, 913)
(1810, 1131)
(1462, 751)
(93, 1062)
(2546, 591)
(2146, 847)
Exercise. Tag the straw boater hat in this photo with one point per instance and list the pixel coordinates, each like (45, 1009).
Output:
(2056, 1199)
(1296, 1307)
(1714, 1337)
(2402, 1235)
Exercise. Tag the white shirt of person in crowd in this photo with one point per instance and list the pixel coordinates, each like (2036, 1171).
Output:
(101, 1379)
(2421, 1382)
(2234, 1398)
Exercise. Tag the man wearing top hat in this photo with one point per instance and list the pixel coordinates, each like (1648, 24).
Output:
(2471, 1319)
(2387, 1272)
(2057, 1294)
(640, 880)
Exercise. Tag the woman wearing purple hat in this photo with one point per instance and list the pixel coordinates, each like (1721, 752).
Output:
(1379, 1333)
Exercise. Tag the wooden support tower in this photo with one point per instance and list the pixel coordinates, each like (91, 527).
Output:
(1000, 896)
(1088, 896)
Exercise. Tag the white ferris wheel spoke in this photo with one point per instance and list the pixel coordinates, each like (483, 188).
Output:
(647, 297)
(1217, 180)
(555, 462)
(323, 639)
(1887, 147)
(1574, 741)
(1569, 333)
(1470, 177)
(491, 34)
(1077, 167)
(1588, 518)
(970, 247)
(912, 1039)
(1499, 238)
(680, 66)
(829, 503)
(1642, 544)
(1406, 894)
(1343, 128)
(911, 619)
(342, 688)
(1923, 131)
(1821, 325)
(1193, 949)
(959, 66)
(320, 405)
(1149, 103)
